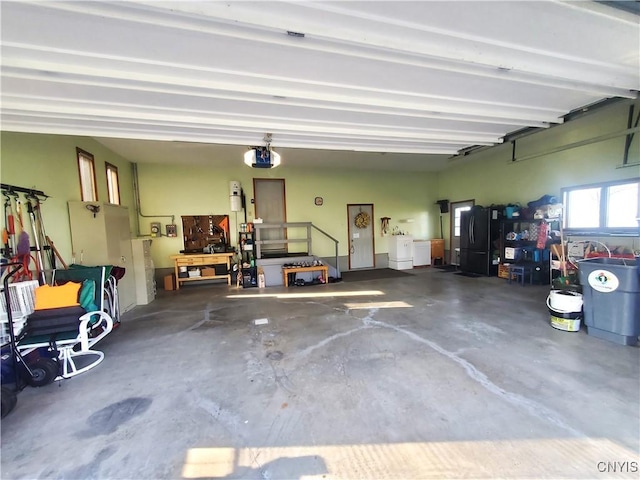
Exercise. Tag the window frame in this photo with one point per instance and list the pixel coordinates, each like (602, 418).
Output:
(80, 155)
(112, 169)
(602, 229)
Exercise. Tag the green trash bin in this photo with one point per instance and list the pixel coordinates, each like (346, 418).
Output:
(611, 298)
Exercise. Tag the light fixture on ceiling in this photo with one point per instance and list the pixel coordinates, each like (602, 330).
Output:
(262, 157)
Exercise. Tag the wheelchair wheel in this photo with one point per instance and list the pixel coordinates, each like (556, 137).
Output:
(43, 372)
(9, 400)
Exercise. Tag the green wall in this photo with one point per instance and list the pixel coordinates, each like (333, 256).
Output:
(48, 163)
(191, 190)
(491, 177)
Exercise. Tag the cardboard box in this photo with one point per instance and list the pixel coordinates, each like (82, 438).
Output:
(208, 272)
(503, 270)
(169, 282)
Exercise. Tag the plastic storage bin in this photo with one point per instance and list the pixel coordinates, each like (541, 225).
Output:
(611, 296)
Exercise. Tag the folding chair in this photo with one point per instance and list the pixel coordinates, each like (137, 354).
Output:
(108, 278)
(70, 333)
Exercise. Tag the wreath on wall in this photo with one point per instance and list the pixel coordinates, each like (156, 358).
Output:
(362, 220)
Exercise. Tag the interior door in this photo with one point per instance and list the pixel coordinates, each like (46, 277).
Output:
(360, 231)
(270, 206)
(455, 211)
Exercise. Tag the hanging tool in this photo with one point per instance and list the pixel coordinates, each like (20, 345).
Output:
(24, 243)
(36, 239)
(38, 225)
(8, 234)
(5, 230)
(384, 226)
(5, 242)
(23, 247)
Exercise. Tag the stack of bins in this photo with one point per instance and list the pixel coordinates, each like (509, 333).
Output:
(611, 296)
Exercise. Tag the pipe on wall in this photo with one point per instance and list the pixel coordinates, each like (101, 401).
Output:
(581, 143)
(136, 194)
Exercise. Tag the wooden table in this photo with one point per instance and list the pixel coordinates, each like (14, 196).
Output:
(201, 260)
(316, 268)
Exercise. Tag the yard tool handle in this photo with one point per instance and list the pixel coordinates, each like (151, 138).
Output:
(56, 252)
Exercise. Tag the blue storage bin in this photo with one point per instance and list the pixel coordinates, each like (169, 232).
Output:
(611, 294)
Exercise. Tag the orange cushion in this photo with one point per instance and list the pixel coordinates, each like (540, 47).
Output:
(56, 297)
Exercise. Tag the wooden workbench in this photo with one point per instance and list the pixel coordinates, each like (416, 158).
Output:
(316, 268)
(201, 260)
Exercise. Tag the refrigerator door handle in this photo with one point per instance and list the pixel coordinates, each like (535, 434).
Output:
(474, 230)
(471, 225)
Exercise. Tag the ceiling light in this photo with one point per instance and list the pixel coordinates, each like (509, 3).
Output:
(262, 157)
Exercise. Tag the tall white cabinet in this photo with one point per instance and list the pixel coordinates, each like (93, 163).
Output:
(401, 252)
(100, 235)
(144, 271)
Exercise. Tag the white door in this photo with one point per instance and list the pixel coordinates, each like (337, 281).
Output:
(456, 210)
(360, 231)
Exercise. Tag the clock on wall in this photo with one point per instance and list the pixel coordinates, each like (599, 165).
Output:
(318, 201)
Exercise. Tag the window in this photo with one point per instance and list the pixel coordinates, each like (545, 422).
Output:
(86, 168)
(457, 219)
(604, 208)
(113, 184)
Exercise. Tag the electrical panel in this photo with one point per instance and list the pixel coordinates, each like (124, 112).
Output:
(235, 196)
(172, 230)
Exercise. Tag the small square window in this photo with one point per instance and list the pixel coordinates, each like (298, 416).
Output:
(87, 171)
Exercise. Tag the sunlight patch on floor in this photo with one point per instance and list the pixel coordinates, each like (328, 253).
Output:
(354, 293)
(532, 458)
(366, 305)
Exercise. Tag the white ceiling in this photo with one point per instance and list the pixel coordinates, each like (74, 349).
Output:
(412, 82)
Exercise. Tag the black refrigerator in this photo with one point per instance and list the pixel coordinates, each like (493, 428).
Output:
(479, 240)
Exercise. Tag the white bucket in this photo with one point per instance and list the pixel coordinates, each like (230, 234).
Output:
(565, 308)
(564, 301)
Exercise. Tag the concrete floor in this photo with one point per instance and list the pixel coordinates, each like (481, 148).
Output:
(433, 375)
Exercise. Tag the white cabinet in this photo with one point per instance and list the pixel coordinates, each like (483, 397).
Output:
(401, 252)
(100, 235)
(144, 270)
(421, 253)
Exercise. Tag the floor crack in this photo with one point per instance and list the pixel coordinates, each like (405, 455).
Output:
(534, 408)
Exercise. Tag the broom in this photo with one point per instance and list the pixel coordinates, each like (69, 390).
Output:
(24, 243)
